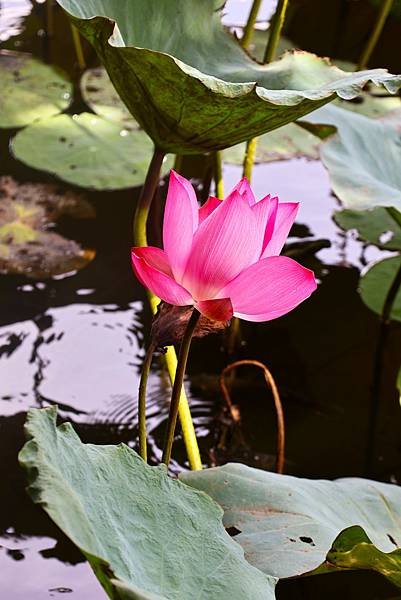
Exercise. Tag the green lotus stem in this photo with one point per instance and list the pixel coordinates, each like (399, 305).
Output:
(274, 36)
(250, 24)
(140, 239)
(218, 174)
(275, 31)
(76, 38)
(178, 163)
(147, 361)
(234, 335)
(375, 34)
(178, 385)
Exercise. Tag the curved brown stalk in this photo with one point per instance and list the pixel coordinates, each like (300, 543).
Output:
(280, 452)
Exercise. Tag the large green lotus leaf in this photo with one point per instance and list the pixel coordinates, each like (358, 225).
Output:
(28, 246)
(87, 150)
(363, 158)
(159, 537)
(30, 90)
(376, 283)
(374, 226)
(290, 526)
(189, 83)
(101, 96)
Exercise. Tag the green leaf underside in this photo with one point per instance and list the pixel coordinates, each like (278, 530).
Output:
(374, 226)
(199, 91)
(376, 283)
(162, 539)
(28, 246)
(290, 526)
(363, 158)
(30, 90)
(86, 150)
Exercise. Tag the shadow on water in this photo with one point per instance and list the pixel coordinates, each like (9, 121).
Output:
(78, 341)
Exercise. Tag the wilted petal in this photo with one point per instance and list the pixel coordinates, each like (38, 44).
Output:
(285, 217)
(265, 212)
(244, 189)
(269, 288)
(207, 209)
(152, 268)
(223, 246)
(216, 310)
(180, 222)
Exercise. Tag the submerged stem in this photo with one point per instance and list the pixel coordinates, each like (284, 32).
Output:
(147, 361)
(178, 384)
(375, 34)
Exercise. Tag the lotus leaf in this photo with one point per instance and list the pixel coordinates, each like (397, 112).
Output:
(87, 150)
(198, 90)
(376, 283)
(30, 90)
(374, 226)
(27, 247)
(290, 526)
(159, 537)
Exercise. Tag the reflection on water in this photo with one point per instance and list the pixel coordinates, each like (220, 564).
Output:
(12, 13)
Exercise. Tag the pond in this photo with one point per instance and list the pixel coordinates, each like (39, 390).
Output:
(77, 340)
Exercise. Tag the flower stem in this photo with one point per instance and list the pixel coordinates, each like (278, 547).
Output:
(147, 361)
(375, 35)
(78, 48)
(178, 384)
(140, 239)
(250, 24)
(49, 18)
(274, 36)
(218, 174)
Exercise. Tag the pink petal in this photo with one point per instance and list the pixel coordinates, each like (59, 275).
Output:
(216, 310)
(207, 209)
(270, 288)
(152, 268)
(265, 212)
(223, 246)
(285, 217)
(244, 189)
(180, 222)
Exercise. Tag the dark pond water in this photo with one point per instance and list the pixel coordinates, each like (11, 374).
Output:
(78, 341)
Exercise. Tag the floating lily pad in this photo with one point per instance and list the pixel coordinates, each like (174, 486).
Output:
(27, 246)
(87, 150)
(376, 283)
(159, 537)
(30, 90)
(189, 83)
(290, 526)
(374, 226)
(101, 96)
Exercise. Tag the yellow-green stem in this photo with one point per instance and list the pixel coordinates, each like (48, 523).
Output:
(274, 36)
(375, 34)
(218, 174)
(140, 239)
(178, 163)
(78, 48)
(178, 385)
(248, 30)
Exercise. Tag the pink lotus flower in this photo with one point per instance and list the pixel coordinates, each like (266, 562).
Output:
(223, 258)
